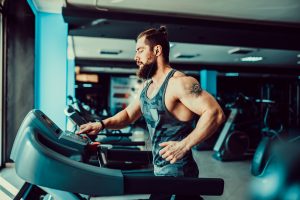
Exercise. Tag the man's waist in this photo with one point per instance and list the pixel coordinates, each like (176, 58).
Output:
(161, 162)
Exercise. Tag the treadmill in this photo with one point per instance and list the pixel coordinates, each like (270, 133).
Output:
(56, 161)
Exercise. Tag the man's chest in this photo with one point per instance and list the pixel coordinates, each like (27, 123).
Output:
(162, 96)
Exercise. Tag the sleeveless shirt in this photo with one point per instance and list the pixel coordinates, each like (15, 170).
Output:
(163, 126)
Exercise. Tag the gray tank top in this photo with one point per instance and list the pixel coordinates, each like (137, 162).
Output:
(163, 126)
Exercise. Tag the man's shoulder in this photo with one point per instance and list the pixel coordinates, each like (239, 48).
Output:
(181, 78)
(181, 83)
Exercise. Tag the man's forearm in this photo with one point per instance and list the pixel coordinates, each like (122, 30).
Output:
(207, 125)
(118, 121)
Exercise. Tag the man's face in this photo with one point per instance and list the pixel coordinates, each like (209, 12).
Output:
(145, 59)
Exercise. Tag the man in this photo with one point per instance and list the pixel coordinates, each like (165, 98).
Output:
(169, 101)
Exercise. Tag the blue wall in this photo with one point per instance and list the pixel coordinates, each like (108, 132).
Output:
(208, 80)
(52, 67)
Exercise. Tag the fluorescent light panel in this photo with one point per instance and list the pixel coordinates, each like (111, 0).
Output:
(232, 74)
(241, 51)
(186, 56)
(252, 59)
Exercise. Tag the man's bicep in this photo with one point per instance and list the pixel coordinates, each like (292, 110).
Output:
(189, 92)
(134, 110)
(198, 103)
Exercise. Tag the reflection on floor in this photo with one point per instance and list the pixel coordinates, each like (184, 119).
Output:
(236, 175)
(10, 183)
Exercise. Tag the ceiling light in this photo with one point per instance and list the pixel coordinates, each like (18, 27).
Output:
(171, 44)
(231, 74)
(252, 59)
(110, 52)
(298, 55)
(186, 56)
(241, 50)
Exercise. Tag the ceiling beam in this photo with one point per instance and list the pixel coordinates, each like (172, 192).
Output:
(286, 70)
(187, 29)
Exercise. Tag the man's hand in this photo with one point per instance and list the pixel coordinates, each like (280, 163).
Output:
(173, 150)
(91, 128)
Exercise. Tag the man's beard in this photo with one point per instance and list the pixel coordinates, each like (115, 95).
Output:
(148, 70)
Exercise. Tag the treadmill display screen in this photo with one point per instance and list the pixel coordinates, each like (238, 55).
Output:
(51, 125)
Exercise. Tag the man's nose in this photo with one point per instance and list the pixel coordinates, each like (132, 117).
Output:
(135, 57)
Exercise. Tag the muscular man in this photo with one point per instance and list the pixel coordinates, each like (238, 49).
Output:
(170, 102)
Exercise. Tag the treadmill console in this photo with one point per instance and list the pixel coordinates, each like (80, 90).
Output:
(52, 131)
(47, 122)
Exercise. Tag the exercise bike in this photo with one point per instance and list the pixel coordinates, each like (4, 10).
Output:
(271, 136)
(263, 150)
(281, 178)
(234, 142)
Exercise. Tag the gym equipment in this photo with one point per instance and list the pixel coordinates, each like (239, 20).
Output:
(281, 179)
(234, 141)
(262, 154)
(113, 158)
(87, 112)
(117, 143)
(43, 159)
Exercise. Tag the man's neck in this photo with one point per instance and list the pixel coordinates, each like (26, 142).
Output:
(161, 73)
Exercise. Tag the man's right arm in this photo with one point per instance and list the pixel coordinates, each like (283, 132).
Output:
(121, 120)
(125, 117)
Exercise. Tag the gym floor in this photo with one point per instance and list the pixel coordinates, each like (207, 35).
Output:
(235, 174)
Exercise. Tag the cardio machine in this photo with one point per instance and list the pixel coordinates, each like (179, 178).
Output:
(56, 162)
(274, 134)
(281, 178)
(236, 139)
(117, 150)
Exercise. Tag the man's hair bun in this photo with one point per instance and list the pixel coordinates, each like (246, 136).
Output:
(163, 29)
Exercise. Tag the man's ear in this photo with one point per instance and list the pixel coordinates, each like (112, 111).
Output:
(157, 50)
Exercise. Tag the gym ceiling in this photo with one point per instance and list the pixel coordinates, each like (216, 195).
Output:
(204, 34)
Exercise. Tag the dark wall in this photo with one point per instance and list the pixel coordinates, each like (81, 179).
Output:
(282, 90)
(19, 68)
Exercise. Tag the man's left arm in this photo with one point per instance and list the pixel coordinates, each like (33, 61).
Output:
(200, 102)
